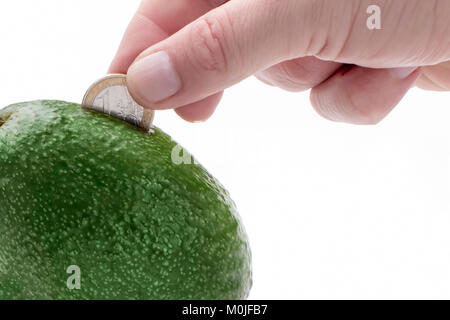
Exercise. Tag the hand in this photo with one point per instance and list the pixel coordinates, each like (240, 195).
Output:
(182, 54)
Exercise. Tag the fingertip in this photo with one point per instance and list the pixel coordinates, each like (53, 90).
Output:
(360, 95)
(153, 79)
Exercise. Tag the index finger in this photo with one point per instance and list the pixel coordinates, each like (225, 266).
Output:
(154, 21)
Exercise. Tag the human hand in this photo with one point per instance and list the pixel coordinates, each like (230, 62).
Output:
(182, 54)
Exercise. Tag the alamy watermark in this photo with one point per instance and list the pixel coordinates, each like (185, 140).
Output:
(182, 156)
(74, 281)
(374, 20)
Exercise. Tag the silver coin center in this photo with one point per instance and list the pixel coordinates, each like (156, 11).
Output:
(117, 102)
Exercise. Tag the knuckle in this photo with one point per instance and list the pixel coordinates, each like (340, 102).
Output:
(207, 46)
(344, 107)
(298, 76)
(303, 73)
(292, 84)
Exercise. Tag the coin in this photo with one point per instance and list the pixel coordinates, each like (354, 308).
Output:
(110, 95)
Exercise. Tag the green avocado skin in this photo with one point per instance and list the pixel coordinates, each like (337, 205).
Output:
(81, 188)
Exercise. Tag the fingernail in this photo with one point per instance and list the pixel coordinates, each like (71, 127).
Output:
(402, 73)
(154, 77)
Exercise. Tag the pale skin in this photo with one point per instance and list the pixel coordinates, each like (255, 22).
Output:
(356, 75)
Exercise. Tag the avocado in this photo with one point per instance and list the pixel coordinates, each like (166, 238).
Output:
(92, 207)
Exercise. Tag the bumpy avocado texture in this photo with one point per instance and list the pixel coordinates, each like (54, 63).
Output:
(79, 188)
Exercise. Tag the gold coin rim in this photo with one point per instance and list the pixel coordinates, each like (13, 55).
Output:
(115, 80)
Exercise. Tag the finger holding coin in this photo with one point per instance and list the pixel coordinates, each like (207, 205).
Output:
(110, 96)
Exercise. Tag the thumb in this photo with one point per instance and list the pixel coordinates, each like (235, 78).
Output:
(223, 47)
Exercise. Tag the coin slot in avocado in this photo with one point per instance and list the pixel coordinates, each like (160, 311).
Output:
(2, 122)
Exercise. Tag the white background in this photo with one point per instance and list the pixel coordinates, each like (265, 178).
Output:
(331, 210)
